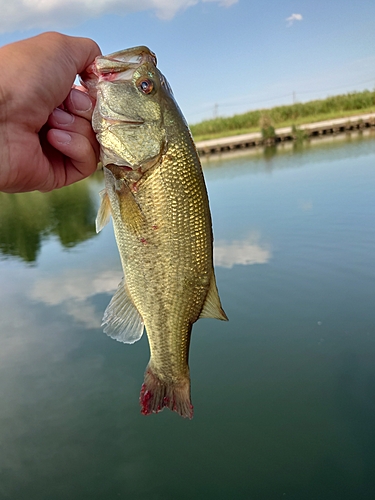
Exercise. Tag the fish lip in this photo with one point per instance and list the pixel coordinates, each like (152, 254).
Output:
(120, 119)
(122, 62)
(132, 56)
(133, 122)
(113, 122)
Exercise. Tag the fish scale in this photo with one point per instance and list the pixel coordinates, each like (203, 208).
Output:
(156, 195)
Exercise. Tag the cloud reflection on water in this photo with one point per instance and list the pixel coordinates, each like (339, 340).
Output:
(73, 289)
(245, 252)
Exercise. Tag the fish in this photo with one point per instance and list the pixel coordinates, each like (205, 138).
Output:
(156, 195)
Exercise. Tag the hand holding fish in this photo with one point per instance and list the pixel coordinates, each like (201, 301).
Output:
(46, 138)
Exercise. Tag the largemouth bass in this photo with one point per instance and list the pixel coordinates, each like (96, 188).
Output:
(156, 195)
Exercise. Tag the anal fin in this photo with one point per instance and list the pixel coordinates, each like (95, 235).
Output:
(121, 319)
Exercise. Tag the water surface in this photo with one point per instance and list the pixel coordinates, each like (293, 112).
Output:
(284, 394)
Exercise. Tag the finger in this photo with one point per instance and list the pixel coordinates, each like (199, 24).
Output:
(79, 103)
(79, 87)
(57, 59)
(60, 119)
(82, 51)
(81, 157)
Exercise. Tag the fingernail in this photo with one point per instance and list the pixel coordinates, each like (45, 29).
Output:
(81, 101)
(62, 117)
(61, 136)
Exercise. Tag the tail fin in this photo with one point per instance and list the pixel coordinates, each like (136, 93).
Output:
(157, 395)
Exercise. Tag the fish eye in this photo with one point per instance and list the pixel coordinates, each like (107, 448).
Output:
(146, 86)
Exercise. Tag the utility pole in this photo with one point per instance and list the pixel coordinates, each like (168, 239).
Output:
(216, 108)
(294, 97)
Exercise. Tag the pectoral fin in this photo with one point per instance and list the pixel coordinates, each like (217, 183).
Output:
(104, 212)
(212, 306)
(122, 203)
(121, 319)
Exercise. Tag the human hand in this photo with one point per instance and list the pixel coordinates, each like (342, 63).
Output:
(46, 138)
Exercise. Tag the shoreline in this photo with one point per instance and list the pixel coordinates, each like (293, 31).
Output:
(285, 134)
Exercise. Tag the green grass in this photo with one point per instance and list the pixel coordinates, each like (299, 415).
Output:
(339, 106)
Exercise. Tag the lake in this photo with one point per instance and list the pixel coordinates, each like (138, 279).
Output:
(283, 394)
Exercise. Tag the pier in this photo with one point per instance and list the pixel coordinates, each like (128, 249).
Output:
(254, 139)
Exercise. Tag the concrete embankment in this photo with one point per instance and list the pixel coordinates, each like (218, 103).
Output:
(243, 141)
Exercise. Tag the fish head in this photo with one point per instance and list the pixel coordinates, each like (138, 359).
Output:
(128, 116)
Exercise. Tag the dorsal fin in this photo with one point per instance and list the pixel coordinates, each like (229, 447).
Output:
(212, 306)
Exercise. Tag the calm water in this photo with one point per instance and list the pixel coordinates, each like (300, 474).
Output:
(284, 394)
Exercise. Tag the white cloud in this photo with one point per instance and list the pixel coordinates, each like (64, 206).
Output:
(54, 14)
(224, 3)
(294, 17)
(245, 252)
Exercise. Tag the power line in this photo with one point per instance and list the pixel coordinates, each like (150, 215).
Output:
(294, 96)
(336, 88)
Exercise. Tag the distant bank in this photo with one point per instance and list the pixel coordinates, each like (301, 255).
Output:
(278, 135)
(298, 114)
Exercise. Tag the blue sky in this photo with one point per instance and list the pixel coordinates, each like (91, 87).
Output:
(223, 56)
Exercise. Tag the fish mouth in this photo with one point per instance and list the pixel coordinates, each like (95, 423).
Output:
(118, 66)
(134, 56)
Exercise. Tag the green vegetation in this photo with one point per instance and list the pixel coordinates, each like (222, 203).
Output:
(28, 218)
(338, 106)
(298, 134)
(266, 127)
